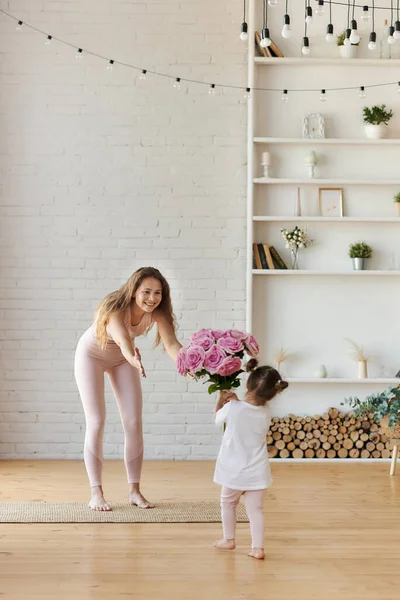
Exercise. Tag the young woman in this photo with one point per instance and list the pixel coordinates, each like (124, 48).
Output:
(109, 346)
(242, 467)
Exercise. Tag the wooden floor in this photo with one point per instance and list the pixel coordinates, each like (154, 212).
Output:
(333, 532)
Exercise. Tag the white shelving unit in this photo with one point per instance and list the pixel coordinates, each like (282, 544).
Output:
(259, 66)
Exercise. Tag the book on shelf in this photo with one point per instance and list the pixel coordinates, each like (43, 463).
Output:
(256, 257)
(266, 257)
(277, 259)
(270, 262)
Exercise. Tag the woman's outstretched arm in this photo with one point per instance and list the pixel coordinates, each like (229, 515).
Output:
(168, 336)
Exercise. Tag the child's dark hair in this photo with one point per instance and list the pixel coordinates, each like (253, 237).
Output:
(264, 382)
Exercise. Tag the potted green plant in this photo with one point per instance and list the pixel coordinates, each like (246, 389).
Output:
(347, 50)
(396, 199)
(376, 120)
(359, 251)
(384, 408)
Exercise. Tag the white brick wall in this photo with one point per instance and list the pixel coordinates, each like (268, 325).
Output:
(101, 175)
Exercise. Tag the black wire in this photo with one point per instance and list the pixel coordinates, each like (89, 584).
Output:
(391, 13)
(330, 10)
(354, 6)
(305, 16)
(373, 15)
(348, 13)
(244, 11)
(286, 9)
(398, 10)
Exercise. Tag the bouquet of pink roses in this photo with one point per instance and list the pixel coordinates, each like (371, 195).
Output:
(217, 354)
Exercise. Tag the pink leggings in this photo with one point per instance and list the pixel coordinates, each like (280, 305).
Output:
(90, 365)
(253, 501)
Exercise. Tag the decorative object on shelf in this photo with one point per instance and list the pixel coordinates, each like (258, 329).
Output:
(294, 240)
(313, 126)
(266, 161)
(385, 408)
(310, 162)
(360, 357)
(396, 199)
(359, 252)
(330, 202)
(321, 372)
(297, 207)
(279, 358)
(376, 120)
(349, 50)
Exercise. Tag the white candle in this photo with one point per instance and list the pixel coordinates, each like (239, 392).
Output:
(266, 158)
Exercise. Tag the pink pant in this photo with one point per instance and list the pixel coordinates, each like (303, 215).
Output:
(253, 501)
(90, 365)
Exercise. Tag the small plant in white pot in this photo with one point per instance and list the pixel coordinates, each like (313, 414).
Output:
(359, 252)
(346, 48)
(376, 120)
(396, 199)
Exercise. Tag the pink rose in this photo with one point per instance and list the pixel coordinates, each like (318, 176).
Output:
(229, 366)
(230, 345)
(205, 340)
(181, 360)
(251, 346)
(198, 335)
(239, 335)
(215, 356)
(218, 333)
(194, 358)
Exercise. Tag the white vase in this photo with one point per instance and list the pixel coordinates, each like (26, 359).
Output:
(375, 132)
(321, 373)
(348, 51)
(362, 369)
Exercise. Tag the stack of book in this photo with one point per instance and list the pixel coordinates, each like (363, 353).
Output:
(266, 257)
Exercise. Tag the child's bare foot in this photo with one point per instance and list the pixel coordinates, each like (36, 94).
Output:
(257, 553)
(139, 500)
(224, 544)
(97, 501)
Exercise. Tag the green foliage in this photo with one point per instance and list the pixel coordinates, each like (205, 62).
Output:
(360, 250)
(377, 114)
(341, 37)
(382, 404)
(396, 197)
(217, 382)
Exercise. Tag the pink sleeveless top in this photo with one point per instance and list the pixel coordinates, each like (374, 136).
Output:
(133, 331)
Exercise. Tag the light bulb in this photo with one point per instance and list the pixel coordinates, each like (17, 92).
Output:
(244, 36)
(211, 91)
(265, 39)
(329, 33)
(48, 40)
(177, 83)
(142, 75)
(320, 8)
(309, 18)
(110, 65)
(396, 34)
(247, 93)
(272, 2)
(398, 88)
(372, 41)
(79, 53)
(354, 37)
(371, 45)
(346, 42)
(391, 39)
(323, 96)
(285, 97)
(19, 25)
(362, 93)
(365, 13)
(306, 46)
(286, 31)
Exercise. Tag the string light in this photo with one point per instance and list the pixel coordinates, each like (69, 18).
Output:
(391, 39)
(142, 75)
(346, 41)
(211, 91)
(272, 2)
(309, 17)
(305, 49)
(398, 88)
(323, 96)
(286, 31)
(265, 39)
(79, 53)
(247, 93)
(329, 29)
(362, 93)
(320, 8)
(372, 35)
(19, 25)
(365, 13)
(354, 36)
(285, 97)
(396, 34)
(244, 36)
(48, 40)
(177, 83)
(110, 65)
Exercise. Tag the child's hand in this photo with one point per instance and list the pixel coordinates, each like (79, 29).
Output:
(226, 396)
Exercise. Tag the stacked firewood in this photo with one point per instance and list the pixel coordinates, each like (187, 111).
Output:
(332, 435)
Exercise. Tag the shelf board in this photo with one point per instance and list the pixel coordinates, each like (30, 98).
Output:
(329, 219)
(286, 181)
(339, 62)
(371, 381)
(314, 273)
(328, 141)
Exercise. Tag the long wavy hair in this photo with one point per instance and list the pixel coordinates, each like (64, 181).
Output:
(121, 299)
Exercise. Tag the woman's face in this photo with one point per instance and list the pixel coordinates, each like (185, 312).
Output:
(149, 294)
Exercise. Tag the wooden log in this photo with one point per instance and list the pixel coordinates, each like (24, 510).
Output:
(301, 435)
(359, 444)
(303, 446)
(380, 446)
(374, 427)
(270, 440)
(354, 453)
(298, 453)
(376, 454)
(280, 444)
(370, 446)
(374, 438)
(314, 443)
(331, 453)
(297, 442)
(291, 446)
(325, 417)
(297, 426)
(342, 453)
(323, 438)
(287, 438)
(339, 436)
(364, 437)
(333, 413)
(272, 451)
(337, 446)
(348, 444)
(307, 427)
(342, 429)
(309, 453)
(365, 453)
(286, 431)
(321, 453)
(316, 433)
(354, 435)
(309, 435)
(326, 445)
(331, 439)
(385, 453)
(276, 435)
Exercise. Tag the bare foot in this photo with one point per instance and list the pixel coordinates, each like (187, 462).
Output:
(97, 501)
(257, 553)
(137, 499)
(225, 544)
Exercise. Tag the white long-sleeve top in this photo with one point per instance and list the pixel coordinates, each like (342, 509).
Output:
(242, 462)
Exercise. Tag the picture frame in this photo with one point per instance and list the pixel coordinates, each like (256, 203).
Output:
(330, 202)
(313, 126)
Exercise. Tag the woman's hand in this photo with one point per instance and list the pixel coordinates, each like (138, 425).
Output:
(136, 362)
